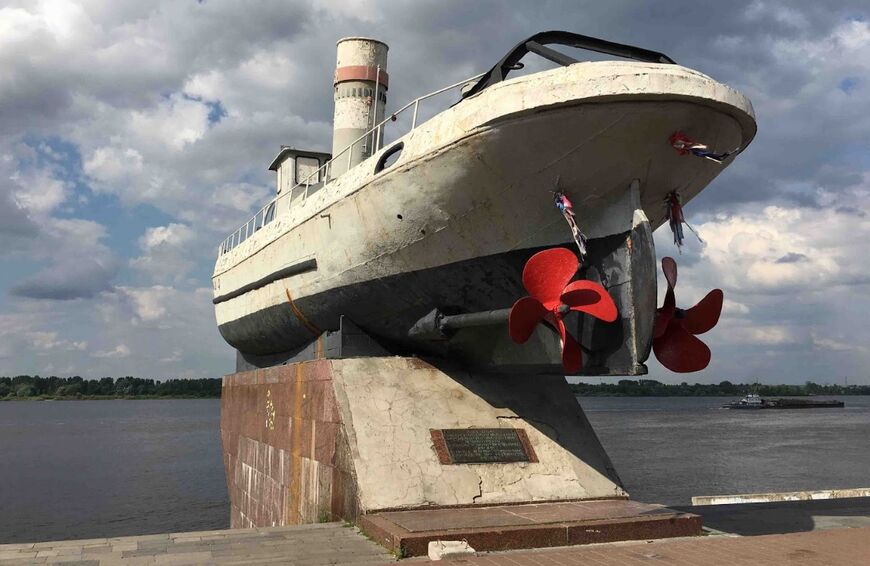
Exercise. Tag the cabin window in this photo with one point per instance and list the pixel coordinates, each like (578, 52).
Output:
(306, 166)
(389, 157)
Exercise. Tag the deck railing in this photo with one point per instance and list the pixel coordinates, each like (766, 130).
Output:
(321, 175)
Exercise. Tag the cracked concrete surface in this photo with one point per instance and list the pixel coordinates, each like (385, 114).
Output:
(389, 405)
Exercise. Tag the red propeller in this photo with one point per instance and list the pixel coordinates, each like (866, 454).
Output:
(674, 342)
(546, 277)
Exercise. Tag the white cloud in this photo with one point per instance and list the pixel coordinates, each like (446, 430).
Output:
(175, 357)
(169, 252)
(38, 192)
(770, 335)
(836, 345)
(111, 164)
(47, 341)
(119, 351)
(782, 249)
(149, 303)
(175, 123)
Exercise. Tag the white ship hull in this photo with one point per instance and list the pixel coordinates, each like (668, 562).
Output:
(450, 224)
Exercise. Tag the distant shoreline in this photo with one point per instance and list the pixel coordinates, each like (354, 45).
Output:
(36, 388)
(653, 388)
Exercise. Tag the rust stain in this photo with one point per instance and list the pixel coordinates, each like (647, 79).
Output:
(294, 515)
(305, 322)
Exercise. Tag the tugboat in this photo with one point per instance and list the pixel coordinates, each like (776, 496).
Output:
(751, 401)
(386, 231)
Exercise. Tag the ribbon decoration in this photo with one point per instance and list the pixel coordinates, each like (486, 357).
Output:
(676, 219)
(683, 144)
(567, 209)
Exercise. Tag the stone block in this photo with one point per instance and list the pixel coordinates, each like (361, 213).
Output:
(352, 436)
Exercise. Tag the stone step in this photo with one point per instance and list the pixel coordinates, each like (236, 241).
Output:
(509, 527)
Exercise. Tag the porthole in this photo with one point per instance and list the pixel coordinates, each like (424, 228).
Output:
(389, 157)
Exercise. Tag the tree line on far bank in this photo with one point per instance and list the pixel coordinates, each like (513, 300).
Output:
(653, 388)
(36, 387)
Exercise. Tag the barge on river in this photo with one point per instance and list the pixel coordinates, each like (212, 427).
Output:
(754, 401)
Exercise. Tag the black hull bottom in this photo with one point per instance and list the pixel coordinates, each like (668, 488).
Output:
(385, 310)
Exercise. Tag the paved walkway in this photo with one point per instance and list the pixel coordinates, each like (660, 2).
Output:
(308, 545)
(834, 547)
(750, 519)
(334, 543)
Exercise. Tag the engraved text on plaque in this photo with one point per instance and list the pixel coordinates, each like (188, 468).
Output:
(482, 445)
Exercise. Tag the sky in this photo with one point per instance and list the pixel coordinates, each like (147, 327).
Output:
(134, 136)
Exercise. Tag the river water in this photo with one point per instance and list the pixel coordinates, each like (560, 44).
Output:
(85, 469)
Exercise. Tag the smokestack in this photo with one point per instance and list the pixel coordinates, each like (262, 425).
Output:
(360, 70)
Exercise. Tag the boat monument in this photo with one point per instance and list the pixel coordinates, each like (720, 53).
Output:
(406, 307)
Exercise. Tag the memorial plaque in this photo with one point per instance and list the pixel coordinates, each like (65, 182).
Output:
(482, 445)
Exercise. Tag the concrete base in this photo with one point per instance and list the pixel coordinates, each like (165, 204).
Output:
(511, 527)
(336, 439)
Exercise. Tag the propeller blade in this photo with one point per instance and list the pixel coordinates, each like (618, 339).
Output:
(665, 313)
(524, 316)
(679, 351)
(591, 298)
(669, 268)
(571, 356)
(669, 307)
(663, 317)
(704, 316)
(547, 272)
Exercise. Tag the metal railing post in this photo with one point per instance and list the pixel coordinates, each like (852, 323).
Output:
(376, 133)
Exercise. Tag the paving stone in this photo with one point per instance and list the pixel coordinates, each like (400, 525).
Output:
(143, 538)
(16, 554)
(836, 547)
(122, 546)
(16, 546)
(187, 558)
(155, 546)
(112, 560)
(82, 542)
(104, 549)
(142, 552)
